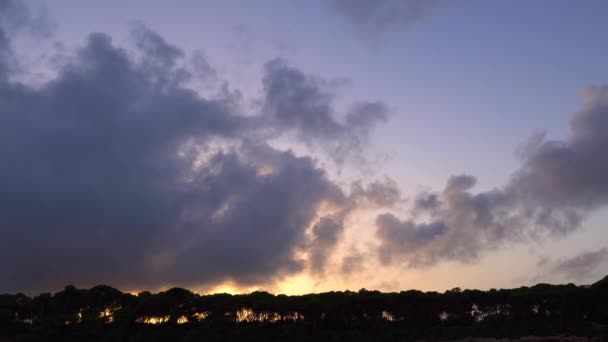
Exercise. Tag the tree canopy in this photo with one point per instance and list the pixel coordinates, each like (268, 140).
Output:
(103, 313)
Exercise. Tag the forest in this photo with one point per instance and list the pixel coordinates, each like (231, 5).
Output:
(103, 313)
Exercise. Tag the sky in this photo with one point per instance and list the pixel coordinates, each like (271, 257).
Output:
(302, 146)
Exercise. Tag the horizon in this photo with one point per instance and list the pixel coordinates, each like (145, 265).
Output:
(542, 312)
(458, 289)
(302, 147)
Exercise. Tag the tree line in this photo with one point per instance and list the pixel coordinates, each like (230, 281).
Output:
(103, 313)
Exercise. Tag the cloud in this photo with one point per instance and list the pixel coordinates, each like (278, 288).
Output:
(328, 230)
(116, 172)
(11, 18)
(294, 101)
(581, 266)
(370, 18)
(154, 48)
(426, 203)
(557, 185)
(353, 262)
(377, 194)
(405, 238)
(16, 18)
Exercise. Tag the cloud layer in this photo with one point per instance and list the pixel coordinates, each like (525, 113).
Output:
(581, 266)
(558, 183)
(116, 172)
(294, 101)
(374, 17)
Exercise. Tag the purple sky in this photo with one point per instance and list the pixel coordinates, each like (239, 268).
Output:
(303, 146)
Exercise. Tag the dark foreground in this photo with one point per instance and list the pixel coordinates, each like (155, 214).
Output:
(548, 312)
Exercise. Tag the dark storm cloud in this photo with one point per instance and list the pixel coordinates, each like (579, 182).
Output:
(558, 183)
(109, 174)
(304, 104)
(252, 222)
(374, 17)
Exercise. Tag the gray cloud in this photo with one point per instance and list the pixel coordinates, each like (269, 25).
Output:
(426, 203)
(578, 268)
(327, 232)
(110, 175)
(558, 183)
(10, 14)
(405, 237)
(353, 262)
(17, 18)
(154, 48)
(259, 221)
(381, 194)
(301, 103)
(374, 17)
(581, 266)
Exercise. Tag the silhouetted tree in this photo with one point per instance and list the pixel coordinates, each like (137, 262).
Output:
(103, 313)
